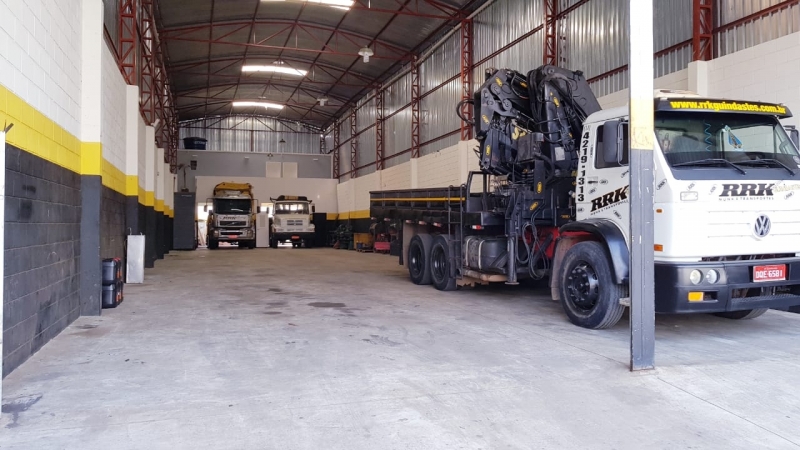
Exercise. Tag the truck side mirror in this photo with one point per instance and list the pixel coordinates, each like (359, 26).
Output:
(313, 209)
(794, 135)
(612, 148)
(205, 208)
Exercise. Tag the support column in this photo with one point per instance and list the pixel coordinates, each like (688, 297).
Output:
(702, 30)
(336, 151)
(550, 38)
(379, 113)
(642, 186)
(91, 156)
(159, 202)
(415, 101)
(149, 198)
(353, 145)
(132, 143)
(466, 79)
(698, 78)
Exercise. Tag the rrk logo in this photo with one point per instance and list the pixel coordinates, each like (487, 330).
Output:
(610, 199)
(747, 190)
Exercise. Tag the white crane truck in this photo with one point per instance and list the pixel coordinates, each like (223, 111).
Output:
(551, 201)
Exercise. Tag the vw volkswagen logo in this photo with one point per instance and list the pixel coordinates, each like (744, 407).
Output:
(762, 226)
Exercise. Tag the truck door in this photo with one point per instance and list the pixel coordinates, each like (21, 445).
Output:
(602, 185)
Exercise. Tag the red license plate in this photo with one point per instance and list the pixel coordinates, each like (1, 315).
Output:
(232, 236)
(295, 237)
(775, 272)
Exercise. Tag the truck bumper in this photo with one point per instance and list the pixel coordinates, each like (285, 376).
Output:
(233, 235)
(734, 291)
(294, 237)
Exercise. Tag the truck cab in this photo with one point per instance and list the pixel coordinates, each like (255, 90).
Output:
(292, 221)
(232, 216)
(727, 210)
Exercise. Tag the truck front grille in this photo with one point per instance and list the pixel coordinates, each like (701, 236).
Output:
(294, 223)
(233, 223)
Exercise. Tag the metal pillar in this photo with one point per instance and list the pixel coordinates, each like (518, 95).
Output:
(147, 80)
(336, 150)
(642, 185)
(128, 41)
(466, 78)
(353, 145)
(415, 101)
(379, 113)
(703, 30)
(322, 149)
(550, 39)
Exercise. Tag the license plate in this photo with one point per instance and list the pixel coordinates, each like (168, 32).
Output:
(295, 237)
(232, 236)
(775, 272)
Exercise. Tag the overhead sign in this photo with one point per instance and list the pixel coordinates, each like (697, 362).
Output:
(730, 106)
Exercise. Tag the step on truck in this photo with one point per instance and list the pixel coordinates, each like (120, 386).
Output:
(551, 202)
(292, 221)
(232, 216)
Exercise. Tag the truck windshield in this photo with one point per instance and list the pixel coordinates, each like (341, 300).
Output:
(733, 142)
(291, 208)
(232, 206)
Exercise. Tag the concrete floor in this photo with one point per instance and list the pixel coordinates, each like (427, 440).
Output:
(329, 349)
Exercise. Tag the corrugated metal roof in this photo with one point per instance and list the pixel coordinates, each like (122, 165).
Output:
(208, 41)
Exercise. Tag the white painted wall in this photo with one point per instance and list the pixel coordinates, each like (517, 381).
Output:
(113, 133)
(319, 190)
(677, 80)
(768, 72)
(40, 56)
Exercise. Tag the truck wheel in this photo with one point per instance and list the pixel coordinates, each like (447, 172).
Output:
(419, 253)
(440, 262)
(213, 244)
(742, 315)
(589, 295)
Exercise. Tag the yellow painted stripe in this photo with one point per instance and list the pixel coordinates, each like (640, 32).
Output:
(142, 195)
(113, 178)
(159, 205)
(417, 199)
(91, 158)
(149, 198)
(34, 133)
(332, 216)
(131, 185)
(354, 215)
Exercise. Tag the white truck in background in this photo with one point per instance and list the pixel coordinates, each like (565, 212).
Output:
(232, 217)
(292, 221)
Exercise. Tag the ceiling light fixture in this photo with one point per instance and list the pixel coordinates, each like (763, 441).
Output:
(339, 4)
(266, 105)
(366, 52)
(322, 101)
(281, 141)
(275, 69)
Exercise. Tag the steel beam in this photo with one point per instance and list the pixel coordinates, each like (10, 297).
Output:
(147, 90)
(702, 30)
(415, 101)
(379, 113)
(336, 150)
(550, 38)
(466, 78)
(353, 144)
(127, 53)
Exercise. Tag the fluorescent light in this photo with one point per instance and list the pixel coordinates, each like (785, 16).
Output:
(265, 105)
(339, 4)
(274, 68)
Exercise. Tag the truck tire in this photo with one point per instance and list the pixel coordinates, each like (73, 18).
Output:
(440, 263)
(743, 314)
(589, 295)
(213, 244)
(419, 253)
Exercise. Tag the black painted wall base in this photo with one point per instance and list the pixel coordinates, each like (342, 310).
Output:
(150, 221)
(91, 265)
(159, 235)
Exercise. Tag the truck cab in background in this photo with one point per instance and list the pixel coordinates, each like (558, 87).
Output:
(232, 217)
(292, 221)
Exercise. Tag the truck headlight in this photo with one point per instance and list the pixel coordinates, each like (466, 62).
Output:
(712, 276)
(696, 276)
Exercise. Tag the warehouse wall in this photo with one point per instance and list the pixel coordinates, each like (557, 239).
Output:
(67, 169)
(40, 92)
(227, 164)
